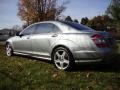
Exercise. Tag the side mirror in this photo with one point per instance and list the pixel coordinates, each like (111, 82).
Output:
(17, 34)
(20, 35)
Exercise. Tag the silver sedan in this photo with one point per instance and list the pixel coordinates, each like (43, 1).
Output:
(64, 43)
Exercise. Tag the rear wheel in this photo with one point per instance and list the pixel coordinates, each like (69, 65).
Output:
(9, 50)
(62, 58)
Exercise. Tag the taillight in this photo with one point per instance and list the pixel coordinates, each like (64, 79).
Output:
(99, 40)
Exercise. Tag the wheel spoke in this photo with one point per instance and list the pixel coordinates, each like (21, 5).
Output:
(57, 61)
(62, 65)
(57, 53)
(66, 61)
(63, 54)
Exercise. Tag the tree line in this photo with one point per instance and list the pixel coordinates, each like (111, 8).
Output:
(99, 23)
(32, 11)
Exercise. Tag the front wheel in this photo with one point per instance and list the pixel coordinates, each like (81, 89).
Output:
(62, 58)
(9, 50)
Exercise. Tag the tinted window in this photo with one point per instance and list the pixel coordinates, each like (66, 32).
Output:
(55, 29)
(29, 30)
(46, 28)
(77, 26)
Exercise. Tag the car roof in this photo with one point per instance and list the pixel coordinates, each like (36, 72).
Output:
(59, 24)
(62, 26)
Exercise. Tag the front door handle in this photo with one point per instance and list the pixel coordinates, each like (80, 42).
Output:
(54, 35)
(28, 37)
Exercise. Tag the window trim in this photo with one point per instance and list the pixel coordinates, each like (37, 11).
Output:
(48, 32)
(33, 25)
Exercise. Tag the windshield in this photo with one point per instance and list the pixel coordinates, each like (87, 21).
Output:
(77, 26)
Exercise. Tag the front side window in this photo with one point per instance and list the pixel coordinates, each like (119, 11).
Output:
(46, 28)
(43, 28)
(29, 30)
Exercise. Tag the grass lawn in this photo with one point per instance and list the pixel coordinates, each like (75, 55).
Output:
(22, 73)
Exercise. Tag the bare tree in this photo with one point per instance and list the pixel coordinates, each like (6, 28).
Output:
(33, 11)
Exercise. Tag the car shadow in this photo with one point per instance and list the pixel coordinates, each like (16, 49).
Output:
(111, 65)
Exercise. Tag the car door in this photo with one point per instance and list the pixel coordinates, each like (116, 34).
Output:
(23, 43)
(45, 34)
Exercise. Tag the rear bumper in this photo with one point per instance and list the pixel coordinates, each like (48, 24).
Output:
(95, 56)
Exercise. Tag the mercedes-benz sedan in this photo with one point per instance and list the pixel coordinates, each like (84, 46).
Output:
(64, 43)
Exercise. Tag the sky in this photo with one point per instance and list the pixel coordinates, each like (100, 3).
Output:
(75, 8)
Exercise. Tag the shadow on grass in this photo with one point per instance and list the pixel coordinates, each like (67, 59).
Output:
(111, 65)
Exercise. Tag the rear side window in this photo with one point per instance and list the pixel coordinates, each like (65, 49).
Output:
(77, 26)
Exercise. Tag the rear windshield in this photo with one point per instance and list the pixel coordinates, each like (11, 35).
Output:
(77, 26)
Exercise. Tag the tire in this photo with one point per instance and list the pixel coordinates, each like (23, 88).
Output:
(9, 50)
(62, 58)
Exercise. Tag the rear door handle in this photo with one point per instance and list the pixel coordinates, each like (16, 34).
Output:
(54, 35)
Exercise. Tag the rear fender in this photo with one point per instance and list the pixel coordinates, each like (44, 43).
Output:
(72, 46)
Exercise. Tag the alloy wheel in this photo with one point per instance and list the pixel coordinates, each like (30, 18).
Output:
(61, 59)
(8, 50)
